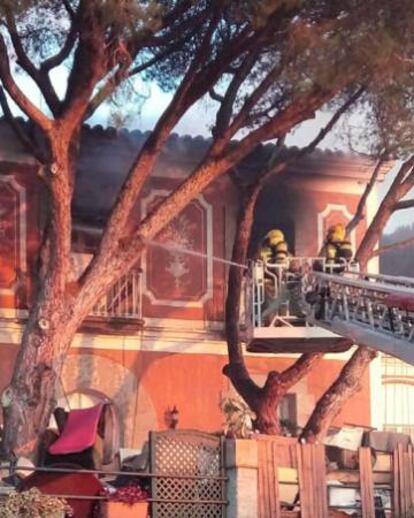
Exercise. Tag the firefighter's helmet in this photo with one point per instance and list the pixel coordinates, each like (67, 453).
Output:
(337, 233)
(275, 236)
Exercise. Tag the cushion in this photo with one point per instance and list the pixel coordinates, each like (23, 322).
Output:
(79, 432)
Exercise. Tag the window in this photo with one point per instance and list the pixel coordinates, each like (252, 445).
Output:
(288, 409)
(288, 415)
(399, 406)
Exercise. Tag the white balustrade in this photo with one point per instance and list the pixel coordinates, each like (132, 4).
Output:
(123, 300)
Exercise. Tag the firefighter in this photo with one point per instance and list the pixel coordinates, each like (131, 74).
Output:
(338, 248)
(273, 251)
(274, 248)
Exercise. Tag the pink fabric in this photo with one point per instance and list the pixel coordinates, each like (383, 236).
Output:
(404, 302)
(79, 432)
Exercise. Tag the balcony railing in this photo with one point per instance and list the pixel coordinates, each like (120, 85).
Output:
(123, 300)
(274, 291)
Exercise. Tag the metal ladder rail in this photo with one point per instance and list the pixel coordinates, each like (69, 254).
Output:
(396, 281)
(358, 310)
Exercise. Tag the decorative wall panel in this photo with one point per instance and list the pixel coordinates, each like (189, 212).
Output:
(178, 264)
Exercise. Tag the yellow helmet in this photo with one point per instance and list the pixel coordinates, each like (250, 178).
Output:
(337, 232)
(275, 236)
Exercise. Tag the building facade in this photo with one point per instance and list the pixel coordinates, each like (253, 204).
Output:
(156, 341)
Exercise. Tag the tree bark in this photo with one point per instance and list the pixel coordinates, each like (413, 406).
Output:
(29, 399)
(332, 402)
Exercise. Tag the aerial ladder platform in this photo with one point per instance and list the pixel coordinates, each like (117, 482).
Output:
(306, 305)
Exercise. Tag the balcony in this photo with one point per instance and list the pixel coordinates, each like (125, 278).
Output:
(123, 300)
(120, 308)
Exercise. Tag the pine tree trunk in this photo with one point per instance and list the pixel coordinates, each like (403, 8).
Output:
(332, 402)
(267, 405)
(29, 399)
(267, 415)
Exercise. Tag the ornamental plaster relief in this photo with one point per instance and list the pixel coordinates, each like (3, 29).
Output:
(173, 277)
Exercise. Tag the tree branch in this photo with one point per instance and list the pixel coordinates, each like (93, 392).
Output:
(69, 8)
(92, 59)
(394, 246)
(331, 403)
(175, 14)
(359, 213)
(215, 96)
(116, 79)
(408, 181)
(404, 204)
(334, 119)
(405, 171)
(106, 91)
(304, 364)
(280, 125)
(64, 52)
(123, 73)
(236, 370)
(22, 58)
(16, 94)
(243, 115)
(24, 138)
(41, 79)
(225, 112)
(276, 166)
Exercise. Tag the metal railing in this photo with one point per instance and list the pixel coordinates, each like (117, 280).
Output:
(274, 291)
(363, 301)
(372, 310)
(369, 309)
(123, 300)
